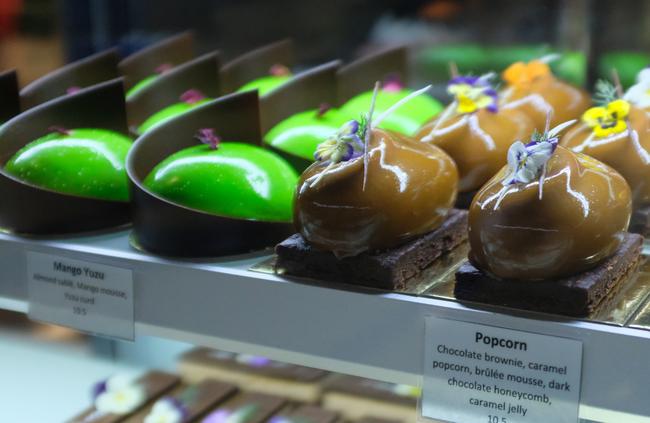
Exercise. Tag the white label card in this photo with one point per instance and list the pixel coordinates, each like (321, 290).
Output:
(484, 374)
(82, 295)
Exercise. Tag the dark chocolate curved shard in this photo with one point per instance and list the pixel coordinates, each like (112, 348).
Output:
(167, 228)
(9, 98)
(71, 78)
(201, 74)
(29, 209)
(360, 75)
(255, 64)
(307, 90)
(171, 51)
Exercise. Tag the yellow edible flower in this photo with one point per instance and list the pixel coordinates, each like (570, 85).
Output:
(471, 98)
(608, 120)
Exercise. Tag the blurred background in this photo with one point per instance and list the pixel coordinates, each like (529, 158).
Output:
(37, 36)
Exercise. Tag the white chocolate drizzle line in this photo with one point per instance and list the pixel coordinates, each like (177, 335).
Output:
(446, 115)
(536, 100)
(487, 139)
(399, 104)
(366, 136)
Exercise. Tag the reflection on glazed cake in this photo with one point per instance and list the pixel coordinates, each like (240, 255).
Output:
(87, 162)
(226, 178)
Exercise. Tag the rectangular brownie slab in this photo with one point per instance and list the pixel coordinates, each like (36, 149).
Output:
(575, 296)
(391, 269)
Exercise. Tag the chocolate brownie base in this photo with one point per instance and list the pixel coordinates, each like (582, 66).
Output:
(464, 199)
(391, 269)
(640, 221)
(575, 296)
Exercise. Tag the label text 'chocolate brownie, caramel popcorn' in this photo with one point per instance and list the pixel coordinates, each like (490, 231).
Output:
(482, 374)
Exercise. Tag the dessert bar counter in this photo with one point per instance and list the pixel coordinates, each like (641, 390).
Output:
(238, 304)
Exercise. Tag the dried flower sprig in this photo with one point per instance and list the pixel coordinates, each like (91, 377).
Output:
(209, 137)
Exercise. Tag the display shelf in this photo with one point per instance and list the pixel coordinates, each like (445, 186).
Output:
(221, 303)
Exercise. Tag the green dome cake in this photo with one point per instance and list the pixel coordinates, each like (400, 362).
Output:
(300, 134)
(189, 100)
(230, 179)
(278, 75)
(406, 120)
(149, 80)
(86, 162)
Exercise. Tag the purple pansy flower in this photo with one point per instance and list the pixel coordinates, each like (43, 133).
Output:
(344, 145)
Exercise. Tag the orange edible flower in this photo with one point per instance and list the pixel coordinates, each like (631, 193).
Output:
(522, 74)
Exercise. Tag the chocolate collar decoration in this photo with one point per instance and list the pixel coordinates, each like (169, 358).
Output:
(256, 64)
(389, 65)
(100, 106)
(9, 99)
(307, 90)
(282, 110)
(167, 228)
(71, 78)
(169, 52)
(184, 83)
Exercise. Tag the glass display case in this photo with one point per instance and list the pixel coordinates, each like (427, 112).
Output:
(324, 212)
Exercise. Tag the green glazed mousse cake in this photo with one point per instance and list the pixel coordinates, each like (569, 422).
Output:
(406, 120)
(299, 134)
(231, 179)
(86, 162)
(149, 80)
(278, 75)
(188, 101)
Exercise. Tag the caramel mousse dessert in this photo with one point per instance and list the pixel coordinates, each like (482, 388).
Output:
(475, 132)
(618, 134)
(375, 209)
(533, 89)
(547, 233)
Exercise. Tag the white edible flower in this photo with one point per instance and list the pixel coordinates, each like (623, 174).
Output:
(526, 162)
(122, 396)
(164, 411)
(639, 93)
